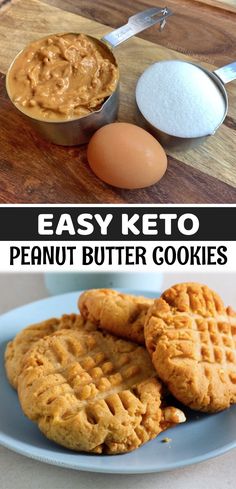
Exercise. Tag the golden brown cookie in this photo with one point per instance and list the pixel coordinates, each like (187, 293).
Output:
(191, 338)
(27, 337)
(120, 314)
(93, 392)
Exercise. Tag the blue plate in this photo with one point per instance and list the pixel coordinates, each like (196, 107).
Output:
(200, 438)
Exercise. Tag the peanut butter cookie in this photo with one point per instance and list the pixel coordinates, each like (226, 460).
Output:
(26, 338)
(93, 392)
(120, 314)
(191, 338)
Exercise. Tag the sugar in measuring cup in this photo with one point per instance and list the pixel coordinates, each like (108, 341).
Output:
(183, 103)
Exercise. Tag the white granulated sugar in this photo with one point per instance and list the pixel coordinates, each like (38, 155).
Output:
(180, 99)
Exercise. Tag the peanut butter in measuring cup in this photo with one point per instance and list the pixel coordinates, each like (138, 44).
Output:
(62, 77)
(67, 85)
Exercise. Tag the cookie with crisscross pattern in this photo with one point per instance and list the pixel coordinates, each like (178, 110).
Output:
(93, 392)
(27, 337)
(191, 338)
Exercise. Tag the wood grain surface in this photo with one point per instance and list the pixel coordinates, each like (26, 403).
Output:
(230, 4)
(34, 171)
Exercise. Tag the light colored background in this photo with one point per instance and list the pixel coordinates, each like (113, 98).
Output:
(17, 289)
(19, 472)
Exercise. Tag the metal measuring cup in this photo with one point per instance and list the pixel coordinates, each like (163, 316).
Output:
(220, 76)
(79, 130)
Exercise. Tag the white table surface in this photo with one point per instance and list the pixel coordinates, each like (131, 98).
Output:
(19, 472)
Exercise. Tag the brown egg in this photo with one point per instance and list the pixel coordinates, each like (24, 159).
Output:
(126, 156)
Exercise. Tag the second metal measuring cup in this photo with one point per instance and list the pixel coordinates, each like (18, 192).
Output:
(220, 76)
(78, 131)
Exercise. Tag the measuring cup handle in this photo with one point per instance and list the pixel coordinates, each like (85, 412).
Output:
(137, 23)
(227, 73)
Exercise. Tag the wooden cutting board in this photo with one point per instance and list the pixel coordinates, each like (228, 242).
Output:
(32, 170)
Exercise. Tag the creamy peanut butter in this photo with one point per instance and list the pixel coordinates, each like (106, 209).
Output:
(62, 77)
